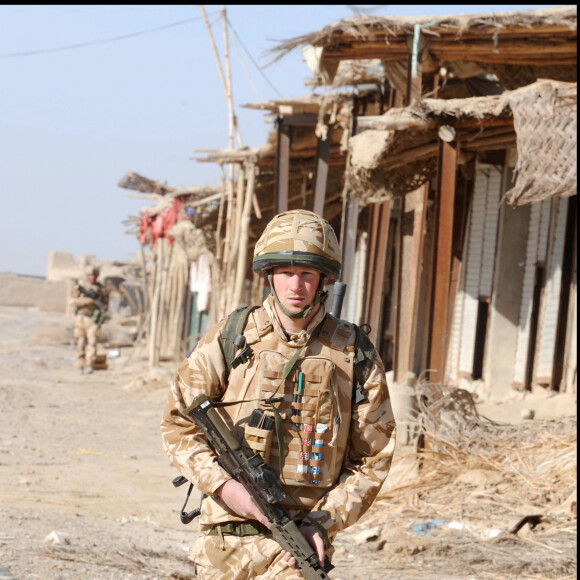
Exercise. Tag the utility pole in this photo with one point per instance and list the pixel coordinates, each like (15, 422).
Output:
(226, 79)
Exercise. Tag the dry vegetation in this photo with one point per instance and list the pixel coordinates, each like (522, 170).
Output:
(488, 500)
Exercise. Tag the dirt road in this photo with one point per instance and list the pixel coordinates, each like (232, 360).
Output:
(86, 487)
(81, 459)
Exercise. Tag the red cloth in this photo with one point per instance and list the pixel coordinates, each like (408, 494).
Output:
(159, 225)
(144, 226)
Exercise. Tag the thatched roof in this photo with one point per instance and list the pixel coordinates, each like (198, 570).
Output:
(201, 203)
(396, 152)
(303, 147)
(355, 72)
(545, 121)
(517, 47)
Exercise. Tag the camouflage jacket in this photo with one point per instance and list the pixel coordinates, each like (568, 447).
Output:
(336, 454)
(86, 304)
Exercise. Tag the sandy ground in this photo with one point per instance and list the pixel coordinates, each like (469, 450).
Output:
(86, 487)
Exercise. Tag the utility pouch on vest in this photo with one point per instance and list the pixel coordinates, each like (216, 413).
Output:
(97, 316)
(258, 432)
(305, 450)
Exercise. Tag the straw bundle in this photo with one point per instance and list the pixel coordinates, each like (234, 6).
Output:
(169, 278)
(503, 494)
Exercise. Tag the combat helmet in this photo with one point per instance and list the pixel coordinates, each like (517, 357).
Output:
(298, 238)
(92, 271)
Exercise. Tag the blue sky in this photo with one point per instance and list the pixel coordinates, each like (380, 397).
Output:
(74, 121)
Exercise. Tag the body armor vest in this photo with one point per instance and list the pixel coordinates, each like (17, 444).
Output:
(314, 402)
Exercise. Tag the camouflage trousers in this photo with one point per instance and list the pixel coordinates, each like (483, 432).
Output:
(238, 558)
(85, 333)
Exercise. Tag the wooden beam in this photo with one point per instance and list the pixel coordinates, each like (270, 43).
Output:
(415, 44)
(302, 120)
(480, 49)
(348, 243)
(282, 166)
(412, 230)
(533, 59)
(404, 121)
(439, 36)
(447, 180)
(321, 174)
(379, 235)
(371, 253)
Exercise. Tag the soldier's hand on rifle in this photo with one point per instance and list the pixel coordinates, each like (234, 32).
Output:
(237, 498)
(316, 541)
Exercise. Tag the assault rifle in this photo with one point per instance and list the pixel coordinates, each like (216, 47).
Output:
(261, 482)
(94, 296)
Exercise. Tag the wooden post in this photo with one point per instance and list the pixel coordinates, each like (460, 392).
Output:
(243, 237)
(380, 236)
(410, 243)
(372, 250)
(232, 125)
(348, 243)
(447, 179)
(321, 173)
(214, 48)
(361, 279)
(217, 307)
(155, 306)
(146, 285)
(282, 166)
(416, 44)
(180, 306)
(164, 298)
(231, 243)
(230, 268)
(412, 233)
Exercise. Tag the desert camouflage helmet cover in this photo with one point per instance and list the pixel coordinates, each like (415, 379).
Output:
(92, 271)
(298, 238)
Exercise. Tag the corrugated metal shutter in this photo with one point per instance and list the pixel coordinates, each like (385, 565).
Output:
(545, 219)
(536, 249)
(457, 321)
(494, 184)
(480, 257)
(551, 299)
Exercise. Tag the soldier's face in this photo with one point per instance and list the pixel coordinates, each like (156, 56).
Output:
(295, 286)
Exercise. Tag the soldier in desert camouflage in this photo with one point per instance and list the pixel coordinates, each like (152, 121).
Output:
(334, 450)
(90, 300)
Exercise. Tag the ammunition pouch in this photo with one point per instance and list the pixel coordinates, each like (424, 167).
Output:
(97, 316)
(258, 433)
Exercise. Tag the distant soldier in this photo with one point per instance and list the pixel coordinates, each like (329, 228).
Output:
(90, 300)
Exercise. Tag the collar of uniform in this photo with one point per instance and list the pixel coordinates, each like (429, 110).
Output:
(263, 321)
(293, 339)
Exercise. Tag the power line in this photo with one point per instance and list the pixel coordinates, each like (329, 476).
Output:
(246, 71)
(252, 59)
(104, 41)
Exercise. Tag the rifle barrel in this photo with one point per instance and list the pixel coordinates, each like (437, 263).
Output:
(337, 298)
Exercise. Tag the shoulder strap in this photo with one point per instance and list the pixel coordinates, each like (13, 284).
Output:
(232, 337)
(341, 334)
(364, 355)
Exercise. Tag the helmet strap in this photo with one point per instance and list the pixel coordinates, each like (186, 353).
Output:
(320, 296)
